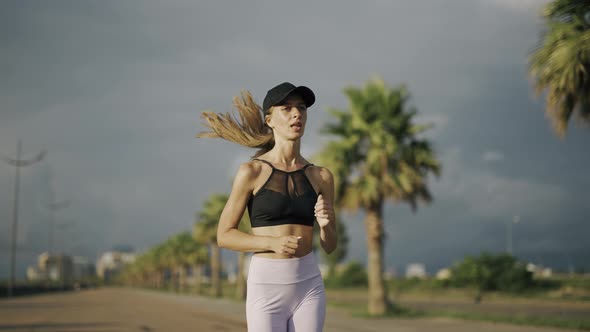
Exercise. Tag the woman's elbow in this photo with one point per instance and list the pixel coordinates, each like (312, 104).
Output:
(221, 238)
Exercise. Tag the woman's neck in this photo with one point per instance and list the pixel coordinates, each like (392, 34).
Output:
(286, 153)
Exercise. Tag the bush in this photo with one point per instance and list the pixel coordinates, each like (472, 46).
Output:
(488, 272)
(353, 275)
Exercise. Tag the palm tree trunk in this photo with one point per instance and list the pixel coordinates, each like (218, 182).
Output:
(198, 274)
(174, 278)
(155, 277)
(182, 278)
(177, 276)
(241, 280)
(215, 270)
(377, 296)
(160, 279)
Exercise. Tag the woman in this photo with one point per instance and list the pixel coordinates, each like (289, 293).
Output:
(284, 194)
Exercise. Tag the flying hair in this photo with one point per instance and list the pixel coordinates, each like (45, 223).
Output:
(251, 129)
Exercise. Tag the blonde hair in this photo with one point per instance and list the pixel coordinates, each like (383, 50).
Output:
(250, 131)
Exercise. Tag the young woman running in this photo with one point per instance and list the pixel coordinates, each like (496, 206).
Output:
(285, 196)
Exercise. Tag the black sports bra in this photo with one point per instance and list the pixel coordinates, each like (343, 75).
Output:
(285, 198)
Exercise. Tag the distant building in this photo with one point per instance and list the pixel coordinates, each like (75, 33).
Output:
(443, 274)
(52, 267)
(111, 263)
(415, 270)
(539, 270)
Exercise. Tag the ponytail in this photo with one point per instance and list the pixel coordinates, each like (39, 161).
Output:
(250, 131)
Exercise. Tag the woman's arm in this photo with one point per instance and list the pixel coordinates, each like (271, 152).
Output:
(228, 235)
(325, 214)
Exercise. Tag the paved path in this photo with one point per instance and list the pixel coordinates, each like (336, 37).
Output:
(117, 309)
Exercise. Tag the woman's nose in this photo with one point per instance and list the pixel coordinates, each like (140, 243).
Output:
(295, 112)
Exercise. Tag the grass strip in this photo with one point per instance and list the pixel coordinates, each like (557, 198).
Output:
(569, 323)
(358, 310)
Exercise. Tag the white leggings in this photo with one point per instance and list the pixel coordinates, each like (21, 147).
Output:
(285, 295)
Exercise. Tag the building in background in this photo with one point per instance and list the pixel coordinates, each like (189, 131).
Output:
(53, 268)
(539, 270)
(110, 263)
(415, 270)
(444, 274)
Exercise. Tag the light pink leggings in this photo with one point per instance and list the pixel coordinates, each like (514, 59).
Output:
(285, 295)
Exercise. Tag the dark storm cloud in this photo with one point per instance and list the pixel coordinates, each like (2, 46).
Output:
(114, 89)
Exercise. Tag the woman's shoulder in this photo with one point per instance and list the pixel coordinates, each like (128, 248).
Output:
(249, 169)
(321, 173)
(246, 175)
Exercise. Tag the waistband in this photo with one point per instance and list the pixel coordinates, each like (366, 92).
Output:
(264, 270)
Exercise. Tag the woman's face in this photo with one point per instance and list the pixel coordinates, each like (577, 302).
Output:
(288, 119)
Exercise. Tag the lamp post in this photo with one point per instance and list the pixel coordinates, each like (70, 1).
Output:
(514, 220)
(17, 163)
(53, 206)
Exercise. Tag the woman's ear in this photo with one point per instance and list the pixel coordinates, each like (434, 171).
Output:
(267, 121)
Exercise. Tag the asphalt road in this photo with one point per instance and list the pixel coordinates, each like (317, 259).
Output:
(118, 309)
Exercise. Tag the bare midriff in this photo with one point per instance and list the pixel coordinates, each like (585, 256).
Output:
(305, 242)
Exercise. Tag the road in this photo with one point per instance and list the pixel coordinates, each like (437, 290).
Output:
(120, 309)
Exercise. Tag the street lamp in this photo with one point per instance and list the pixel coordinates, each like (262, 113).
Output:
(53, 206)
(17, 163)
(515, 220)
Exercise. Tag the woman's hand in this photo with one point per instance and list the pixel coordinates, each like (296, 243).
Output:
(324, 212)
(286, 245)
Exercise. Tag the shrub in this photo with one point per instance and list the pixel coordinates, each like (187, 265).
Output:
(353, 275)
(501, 272)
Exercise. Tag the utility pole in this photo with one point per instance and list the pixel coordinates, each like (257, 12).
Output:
(515, 220)
(53, 206)
(17, 163)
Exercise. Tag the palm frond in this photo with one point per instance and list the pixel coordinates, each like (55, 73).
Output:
(560, 64)
(377, 155)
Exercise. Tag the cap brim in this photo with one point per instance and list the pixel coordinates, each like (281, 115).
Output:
(304, 92)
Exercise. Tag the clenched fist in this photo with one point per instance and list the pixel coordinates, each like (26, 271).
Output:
(286, 245)
(324, 212)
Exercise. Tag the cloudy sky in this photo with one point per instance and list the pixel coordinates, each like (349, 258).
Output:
(113, 91)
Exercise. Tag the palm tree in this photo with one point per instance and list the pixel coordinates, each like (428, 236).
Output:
(195, 256)
(141, 271)
(560, 63)
(205, 231)
(174, 260)
(377, 157)
(157, 261)
(167, 262)
(186, 252)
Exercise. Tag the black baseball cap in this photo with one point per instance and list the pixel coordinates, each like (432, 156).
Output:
(280, 92)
